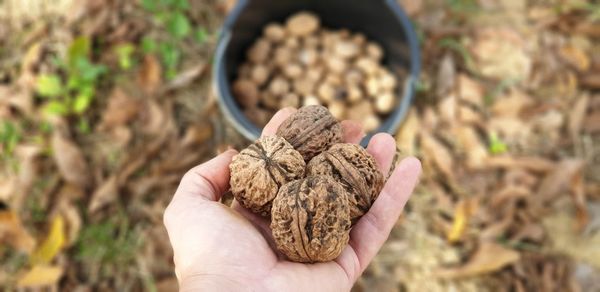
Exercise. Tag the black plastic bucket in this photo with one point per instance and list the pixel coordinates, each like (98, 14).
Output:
(383, 21)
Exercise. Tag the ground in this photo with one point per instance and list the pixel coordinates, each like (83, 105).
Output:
(105, 104)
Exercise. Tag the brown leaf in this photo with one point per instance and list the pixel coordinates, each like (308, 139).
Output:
(560, 179)
(591, 80)
(512, 104)
(446, 76)
(13, 233)
(591, 124)
(154, 118)
(149, 75)
(475, 150)
(447, 108)
(197, 134)
(186, 77)
(537, 164)
(433, 149)
(577, 115)
(28, 162)
(470, 91)
(73, 221)
(106, 193)
(488, 258)
(120, 110)
(576, 57)
(70, 160)
(500, 54)
(407, 134)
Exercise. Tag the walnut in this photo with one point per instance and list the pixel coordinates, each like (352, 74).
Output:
(310, 219)
(355, 169)
(302, 23)
(258, 172)
(311, 130)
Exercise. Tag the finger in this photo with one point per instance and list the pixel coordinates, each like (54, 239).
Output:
(353, 132)
(209, 180)
(373, 229)
(382, 147)
(276, 120)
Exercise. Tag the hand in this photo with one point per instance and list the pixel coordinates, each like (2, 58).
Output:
(220, 248)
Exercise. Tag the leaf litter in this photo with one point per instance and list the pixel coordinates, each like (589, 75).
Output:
(505, 123)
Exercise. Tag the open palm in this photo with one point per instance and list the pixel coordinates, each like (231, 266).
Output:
(220, 248)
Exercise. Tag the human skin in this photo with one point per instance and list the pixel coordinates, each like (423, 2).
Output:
(221, 248)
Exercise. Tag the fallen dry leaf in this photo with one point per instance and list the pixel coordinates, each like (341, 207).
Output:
(13, 233)
(106, 193)
(53, 243)
(447, 108)
(537, 164)
(511, 105)
(27, 155)
(500, 54)
(591, 124)
(40, 276)
(120, 110)
(407, 134)
(186, 77)
(567, 240)
(463, 211)
(470, 91)
(488, 258)
(72, 219)
(446, 76)
(576, 57)
(577, 115)
(559, 180)
(196, 134)
(472, 146)
(433, 149)
(154, 118)
(591, 80)
(149, 75)
(70, 160)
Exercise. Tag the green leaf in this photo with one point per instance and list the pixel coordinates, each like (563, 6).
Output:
(180, 4)
(124, 53)
(9, 136)
(179, 25)
(80, 48)
(49, 85)
(201, 35)
(55, 107)
(83, 100)
(148, 45)
(149, 5)
(169, 54)
(497, 146)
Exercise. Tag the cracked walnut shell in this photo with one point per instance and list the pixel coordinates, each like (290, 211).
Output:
(311, 130)
(310, 219)
(258, 172)
(356, 170)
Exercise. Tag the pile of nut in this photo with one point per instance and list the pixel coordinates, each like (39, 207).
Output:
(311, 185)
(299, 63)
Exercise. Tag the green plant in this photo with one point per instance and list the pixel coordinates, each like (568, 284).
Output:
(171, 15)
(74, 93)
(124, 53)
(9, 137)
(108, 242)
(496, 145)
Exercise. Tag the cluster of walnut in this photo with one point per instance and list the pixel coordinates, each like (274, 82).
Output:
(311, 185)
(299, 63)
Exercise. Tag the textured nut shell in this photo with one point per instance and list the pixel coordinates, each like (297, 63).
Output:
(310, 219)
(258, 172)
(356, 170)
(302, 24)
(311, 130)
